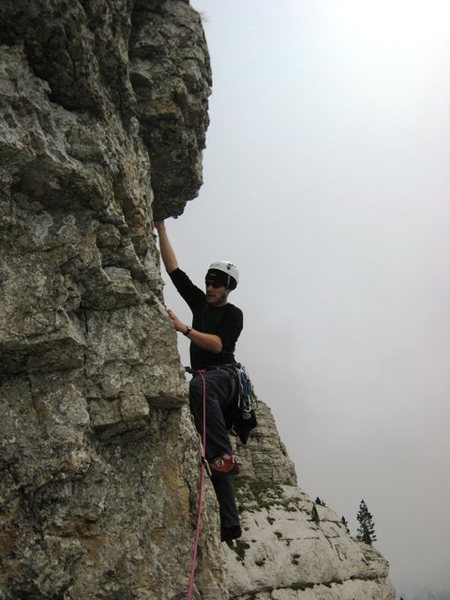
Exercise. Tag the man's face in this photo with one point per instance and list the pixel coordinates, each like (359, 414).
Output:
(216, 296)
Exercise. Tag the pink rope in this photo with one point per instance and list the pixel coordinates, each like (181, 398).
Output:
(201, 496)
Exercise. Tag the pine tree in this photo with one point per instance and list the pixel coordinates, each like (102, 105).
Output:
(366, 529)
(345, 524)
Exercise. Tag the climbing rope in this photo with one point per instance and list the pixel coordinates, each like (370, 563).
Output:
(201, 495)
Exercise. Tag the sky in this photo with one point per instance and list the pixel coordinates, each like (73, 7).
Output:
(326, 181)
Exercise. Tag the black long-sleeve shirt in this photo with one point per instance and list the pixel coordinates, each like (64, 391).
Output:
(224, 321)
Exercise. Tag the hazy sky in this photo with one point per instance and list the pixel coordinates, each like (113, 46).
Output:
(327, 182)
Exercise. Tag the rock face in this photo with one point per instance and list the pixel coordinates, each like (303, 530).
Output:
(98, 456)
(170, 73)
(103, 113)
(292, 548)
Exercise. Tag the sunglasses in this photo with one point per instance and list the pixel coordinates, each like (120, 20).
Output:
(213, 284)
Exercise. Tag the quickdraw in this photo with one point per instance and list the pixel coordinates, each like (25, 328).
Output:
(247, 400)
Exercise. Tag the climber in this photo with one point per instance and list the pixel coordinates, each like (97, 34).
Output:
(216, 326)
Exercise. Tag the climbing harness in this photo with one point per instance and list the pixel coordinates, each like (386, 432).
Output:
(241, 388)
(204, 469)
(242, 417)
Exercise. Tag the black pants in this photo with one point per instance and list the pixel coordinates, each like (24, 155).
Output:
(218, 404)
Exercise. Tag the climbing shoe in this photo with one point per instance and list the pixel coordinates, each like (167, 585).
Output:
(230, 533)
(225, 464)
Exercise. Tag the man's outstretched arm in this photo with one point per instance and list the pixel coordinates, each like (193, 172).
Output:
(167, 252)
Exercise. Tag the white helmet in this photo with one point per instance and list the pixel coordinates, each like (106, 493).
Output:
(229, 269)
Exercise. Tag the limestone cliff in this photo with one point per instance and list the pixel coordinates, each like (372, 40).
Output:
(103, 113)
(292, 548)
(98, 463)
